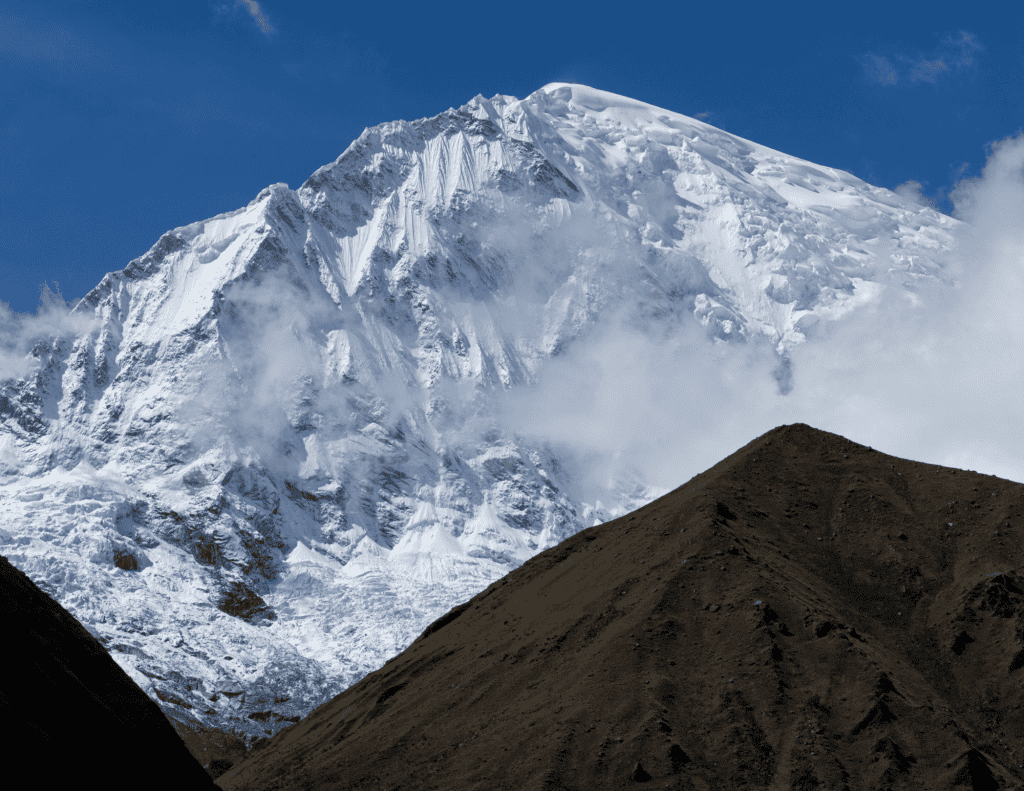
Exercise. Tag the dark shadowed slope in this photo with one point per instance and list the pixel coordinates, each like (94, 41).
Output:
(72, 717)
(216, 750)
(807, 614)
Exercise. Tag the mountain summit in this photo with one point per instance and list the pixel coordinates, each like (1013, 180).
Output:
(807, 613)
(264, 456)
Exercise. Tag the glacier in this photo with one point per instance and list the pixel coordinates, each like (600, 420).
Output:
(260, 459)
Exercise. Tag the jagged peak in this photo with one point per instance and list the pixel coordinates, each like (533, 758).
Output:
(273, 191)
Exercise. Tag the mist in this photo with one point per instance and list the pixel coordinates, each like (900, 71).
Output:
(20, 332)
(934, 375)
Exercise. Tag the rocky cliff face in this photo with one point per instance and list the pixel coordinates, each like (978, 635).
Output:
(278, 445)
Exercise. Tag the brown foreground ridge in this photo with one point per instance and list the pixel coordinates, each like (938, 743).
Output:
(72, 717)
(807, 614)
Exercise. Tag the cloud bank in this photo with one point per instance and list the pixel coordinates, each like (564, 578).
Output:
(935, 375)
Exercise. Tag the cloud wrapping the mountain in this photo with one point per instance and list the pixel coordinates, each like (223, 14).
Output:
(933, 376)
(20, 332)
(937, 381)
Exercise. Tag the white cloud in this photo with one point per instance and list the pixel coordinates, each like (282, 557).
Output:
(936, 376)
(21, 332)
(941, 381)
(911, 190)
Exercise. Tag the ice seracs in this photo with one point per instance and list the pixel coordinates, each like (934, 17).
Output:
(271, 454)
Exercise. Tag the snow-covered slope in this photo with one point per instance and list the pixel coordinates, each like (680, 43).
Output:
(274, 456)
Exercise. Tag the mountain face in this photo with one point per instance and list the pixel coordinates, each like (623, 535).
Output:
(807, 613)
(276, 447)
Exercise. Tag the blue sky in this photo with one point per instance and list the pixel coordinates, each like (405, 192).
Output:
(122, 120)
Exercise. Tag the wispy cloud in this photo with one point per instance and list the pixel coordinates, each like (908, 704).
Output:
(912, 191)
(964, 45)
(879, 69)
(927, 70)
(20, 333)
(257, 14)
(958, 172)
(955, 53)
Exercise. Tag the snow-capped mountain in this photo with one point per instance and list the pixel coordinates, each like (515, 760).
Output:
(273, 450)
